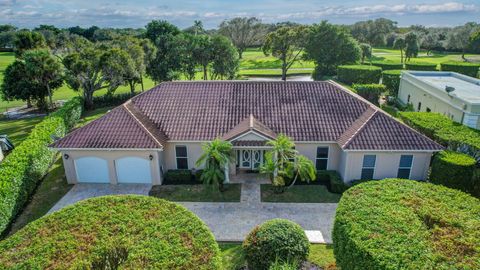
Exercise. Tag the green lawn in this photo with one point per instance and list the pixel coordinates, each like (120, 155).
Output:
(18, 130)
(299, 194)
(197, 193)
(435, 57)
(233, 256)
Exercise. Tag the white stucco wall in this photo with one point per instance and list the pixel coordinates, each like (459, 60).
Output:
(310, 151)
(194, 151)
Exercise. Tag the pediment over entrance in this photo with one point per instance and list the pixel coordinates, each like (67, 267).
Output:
(250, 129)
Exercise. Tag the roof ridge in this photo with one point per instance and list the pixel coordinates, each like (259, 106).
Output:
(359, 129)
(136, 114)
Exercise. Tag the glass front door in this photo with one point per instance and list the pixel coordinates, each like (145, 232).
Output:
(250, 159)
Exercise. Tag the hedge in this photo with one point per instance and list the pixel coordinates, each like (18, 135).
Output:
(180, 177)
(111, 100)
(335, 182)
(469, 69)
(455, 170)
(26, 165)
(404, 224)
(126, 232)
(443, 130)
(370, 92)
(275, 240)
(421, 66)
(391, 79)
(350, 74)
(388, 65)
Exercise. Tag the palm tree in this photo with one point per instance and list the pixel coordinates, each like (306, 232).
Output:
(303, 168)
(216, 156)
(283, 151)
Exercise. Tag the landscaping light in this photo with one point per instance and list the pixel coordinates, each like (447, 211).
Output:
(66, 156)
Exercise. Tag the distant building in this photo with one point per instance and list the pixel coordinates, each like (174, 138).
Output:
(454, 95)
(5, 146)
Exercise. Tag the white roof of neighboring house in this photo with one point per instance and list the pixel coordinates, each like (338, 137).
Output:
(467, 88)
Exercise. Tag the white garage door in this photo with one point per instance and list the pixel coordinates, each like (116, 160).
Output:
(92, 170)
(133, 170)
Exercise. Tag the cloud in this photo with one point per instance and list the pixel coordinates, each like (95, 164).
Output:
(4, 3)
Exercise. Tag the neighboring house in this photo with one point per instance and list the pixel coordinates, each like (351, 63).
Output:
(164, 129)
(5, 146)
(454, 95)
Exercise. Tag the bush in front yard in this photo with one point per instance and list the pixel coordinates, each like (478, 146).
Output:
(334, 181)
(370, 92)
(455, 170)
(465, 68)
(114, 232)
(391, 79)
(28, 163)
(404, 224)
(275, 240)
(179, 177)
(350, 74)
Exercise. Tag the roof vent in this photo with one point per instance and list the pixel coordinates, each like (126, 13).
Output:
(449, 89)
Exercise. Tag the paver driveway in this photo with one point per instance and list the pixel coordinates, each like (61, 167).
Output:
(230, 221)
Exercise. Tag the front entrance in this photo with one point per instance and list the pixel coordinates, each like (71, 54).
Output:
(250, 159)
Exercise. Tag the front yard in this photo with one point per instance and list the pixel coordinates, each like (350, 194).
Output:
(197, 193)
(299, 194)
(233, 257)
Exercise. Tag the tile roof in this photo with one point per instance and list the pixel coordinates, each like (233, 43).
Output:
(203, 111)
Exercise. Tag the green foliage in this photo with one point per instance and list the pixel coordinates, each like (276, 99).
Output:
(29, 162)
(129, 231)
(388, 65)
(370, 92)
(178, 177)
(440, 128)
(455, 170)
(335, 182)
(465, 68)
(411, 48)
(330, 46)
(421, 66)
(217, 155)
(225, 62)
(276, 240)
(27, 40)
(350, 74)
(404, 224)
(111, 100)
(242, 31)
(366, 51)
(391, 79)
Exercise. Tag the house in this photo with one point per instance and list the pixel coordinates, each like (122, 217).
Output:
(454, 95)
(164, 128)
(5, 146)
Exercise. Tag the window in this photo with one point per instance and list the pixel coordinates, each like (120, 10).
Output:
(368, 167)
(321, 162)
(408, 99)
(419, 108)
(405, 166)
(181, 156)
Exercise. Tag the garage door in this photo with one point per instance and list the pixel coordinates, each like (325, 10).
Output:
(133, 170)
(92, 170)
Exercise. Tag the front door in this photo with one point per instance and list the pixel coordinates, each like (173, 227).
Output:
(250, 159)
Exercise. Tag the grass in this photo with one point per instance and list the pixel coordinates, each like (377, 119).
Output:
(197, 193)
(233, 257)
(18, 130)
(391, 55)
(299, 194)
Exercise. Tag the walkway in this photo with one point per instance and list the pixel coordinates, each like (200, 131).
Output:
(231, 221)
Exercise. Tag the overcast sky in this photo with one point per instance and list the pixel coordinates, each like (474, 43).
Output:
(137, 13)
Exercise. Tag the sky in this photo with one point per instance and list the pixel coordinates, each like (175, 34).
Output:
(137, 13)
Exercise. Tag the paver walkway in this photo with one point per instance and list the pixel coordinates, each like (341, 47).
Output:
(231, 221)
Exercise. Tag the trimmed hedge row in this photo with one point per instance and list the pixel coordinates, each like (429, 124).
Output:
(350, 74)
(114, 232)
(182, 177)
(391, 79)
(469, 69)
(455, 170)
(404, 224)
(443, 130)
(111, 100)
(370, 92)
(388, 65)
(29, 162)
(421, 66)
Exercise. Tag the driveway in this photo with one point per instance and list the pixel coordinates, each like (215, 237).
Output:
(230, 221)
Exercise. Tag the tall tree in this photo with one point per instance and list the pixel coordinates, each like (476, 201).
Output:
(44, 69)
(215, 159)
(135, 67)
(374, 32)
(286, 44)
(203, 53)
(27, 40)
(149, 54)
(411, 48)
(458, 38)
(400, 45)
(475, 42)
(225, 60)
(17, 86)
(243, 32)
(430, 41)
(330, 46)
(366, 51)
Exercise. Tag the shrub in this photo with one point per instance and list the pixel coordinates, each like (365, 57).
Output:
(421, 66)
(111, 100)
(179, 177)
(26, 165)
(334, 182)
(370, 92)
(391, 79)
(350, 74)
(469, 69)
(388, 65)
(454, 136)
(133, 232)
(404, 224)
(275, 240)
(454, 170)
